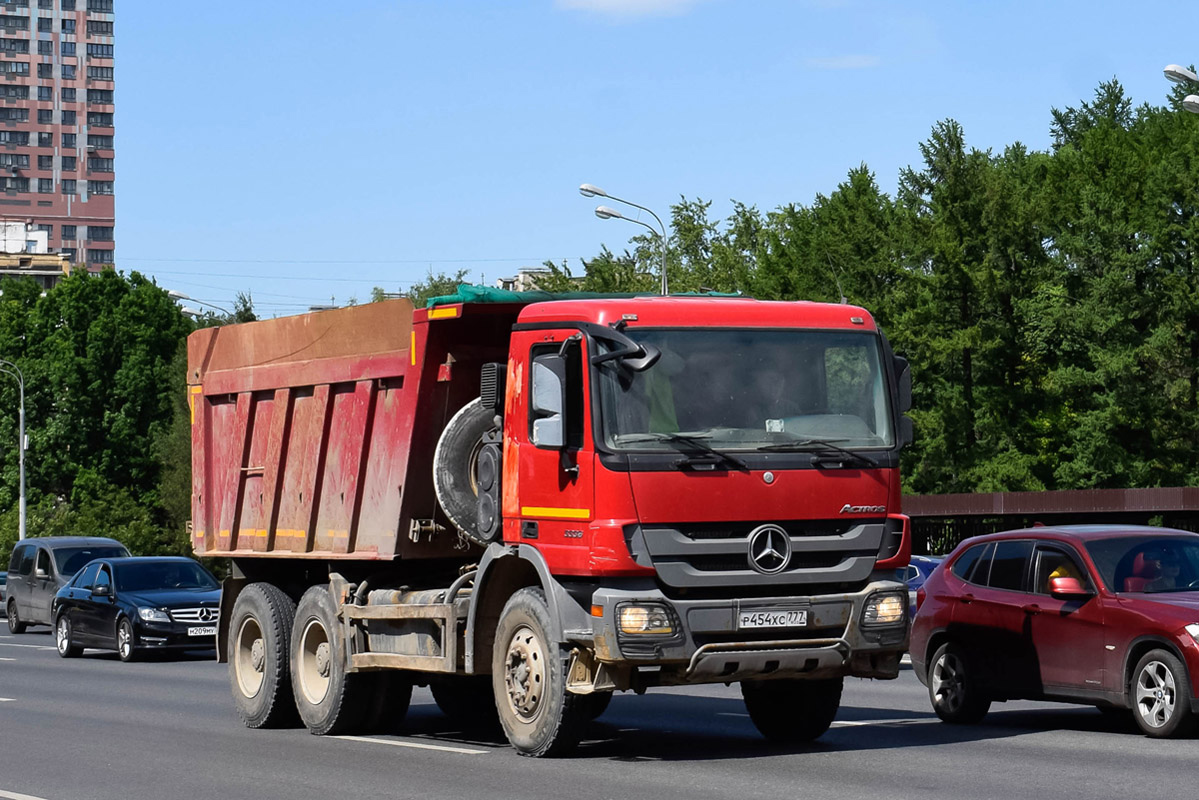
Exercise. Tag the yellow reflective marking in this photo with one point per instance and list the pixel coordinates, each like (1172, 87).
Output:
(557, 513)
(225, 534)
(287, 533)
(338, 534)
(412, 348)
(191, 401)
(443, 313)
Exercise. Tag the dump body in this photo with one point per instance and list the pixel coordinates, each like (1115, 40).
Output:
(313, 435)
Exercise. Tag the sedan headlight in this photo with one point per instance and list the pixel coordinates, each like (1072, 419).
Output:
(884, 608)
(153, 615)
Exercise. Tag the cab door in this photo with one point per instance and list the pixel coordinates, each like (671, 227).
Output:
(549, 489)
(1067, 634)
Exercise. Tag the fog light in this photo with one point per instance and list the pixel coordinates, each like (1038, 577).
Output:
(645, 619)
(885, 608)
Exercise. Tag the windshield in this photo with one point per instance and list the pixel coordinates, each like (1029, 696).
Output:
(70, 560)
(1147, 563)
(151, 575)
(736, 388)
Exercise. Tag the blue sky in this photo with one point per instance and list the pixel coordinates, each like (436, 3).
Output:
(305, 152)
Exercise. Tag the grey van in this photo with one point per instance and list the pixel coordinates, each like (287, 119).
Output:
(40, 567)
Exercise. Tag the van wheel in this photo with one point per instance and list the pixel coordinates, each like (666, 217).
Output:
(330, 699)
(953, 686)
(528, 673)
(1160, 695)
(454, 462)
(258, 647)
(792, 711)
(14, 620)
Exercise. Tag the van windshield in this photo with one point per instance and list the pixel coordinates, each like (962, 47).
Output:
(70, 560)
(746, 388)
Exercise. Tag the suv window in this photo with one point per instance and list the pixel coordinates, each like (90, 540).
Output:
(15, 564)
(1055, 562)
(967, 564)
(1010, 564)
(87, 578)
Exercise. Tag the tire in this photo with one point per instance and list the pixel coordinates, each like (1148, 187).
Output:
(390, 694)
(954, 687)
(330, 699)
(792, 711)
(1160, 696)
(15, 625)
(468, 700)
(126, 641)
(538, 715)
(259, 647)
(454, 463)
(63, 638)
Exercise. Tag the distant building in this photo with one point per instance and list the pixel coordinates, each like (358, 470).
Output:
(524, 281)
(56, 140)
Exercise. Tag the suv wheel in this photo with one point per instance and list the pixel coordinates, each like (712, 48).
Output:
(954, 687)
(1160, 695)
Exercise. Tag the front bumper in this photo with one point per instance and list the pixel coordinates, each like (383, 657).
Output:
(707, 646)
(172, 635)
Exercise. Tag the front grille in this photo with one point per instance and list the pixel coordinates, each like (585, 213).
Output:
(206, 615)
(716, 556)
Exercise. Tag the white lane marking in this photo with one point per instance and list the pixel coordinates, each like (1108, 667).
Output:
(8, 700)
(416, 745)
(15, 796)
(7, 659)
(905, 659)
(856, 722)
(31, 646)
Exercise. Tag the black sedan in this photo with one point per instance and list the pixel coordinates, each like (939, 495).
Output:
(133, 605)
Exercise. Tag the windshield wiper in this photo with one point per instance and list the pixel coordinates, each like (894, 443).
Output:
(800, 445)
(701, 451)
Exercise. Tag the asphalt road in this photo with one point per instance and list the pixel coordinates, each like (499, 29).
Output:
(93, 727)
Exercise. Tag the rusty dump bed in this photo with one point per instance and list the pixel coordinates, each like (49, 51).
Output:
(313, 435)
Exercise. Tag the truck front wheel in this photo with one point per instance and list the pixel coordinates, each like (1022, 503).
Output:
(539, 717)
(260, 638)
(792, 711)
(330, 699)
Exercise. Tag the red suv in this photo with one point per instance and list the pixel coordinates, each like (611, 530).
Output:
(1099, 614)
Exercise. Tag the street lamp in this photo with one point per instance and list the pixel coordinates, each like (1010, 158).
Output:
(604, 212)
(1179, 74)
(12, 369)
(181, 296)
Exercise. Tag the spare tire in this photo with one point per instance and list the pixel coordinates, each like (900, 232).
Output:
(454, 463)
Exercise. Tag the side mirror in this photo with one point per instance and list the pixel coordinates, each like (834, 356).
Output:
(101, 591)
(1067, 589)
(903, 373)
(548, 402)
(41, 573)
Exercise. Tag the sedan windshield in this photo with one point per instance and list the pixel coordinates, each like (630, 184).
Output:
(150, 575)
(1147, 563)
(70, 560)
(745, 389)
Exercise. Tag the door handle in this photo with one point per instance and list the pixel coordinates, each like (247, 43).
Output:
(967, 599)
(1032, 609)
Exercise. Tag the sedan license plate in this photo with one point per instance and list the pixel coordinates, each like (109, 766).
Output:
(207, 630)
(785, 618)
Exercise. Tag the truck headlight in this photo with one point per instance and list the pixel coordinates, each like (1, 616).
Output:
(645, 618)
(153, 615)
(884, 608)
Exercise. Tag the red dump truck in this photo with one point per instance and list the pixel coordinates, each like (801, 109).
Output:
(529, 503)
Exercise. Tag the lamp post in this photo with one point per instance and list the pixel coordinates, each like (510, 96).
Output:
(12, 369)
(604, 212)
(181, 296)
(1183, 75)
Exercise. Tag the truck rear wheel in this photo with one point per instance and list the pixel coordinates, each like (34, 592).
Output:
(259, 643)
(528, 673)
(469, 700)
(454, 463)
(330, 699)
(792, 711)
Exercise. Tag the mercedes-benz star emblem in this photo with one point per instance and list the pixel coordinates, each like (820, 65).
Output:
(769, 549)
(207, 614)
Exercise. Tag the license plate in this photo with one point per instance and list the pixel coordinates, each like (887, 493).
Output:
(207, 630)
(786, 618)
